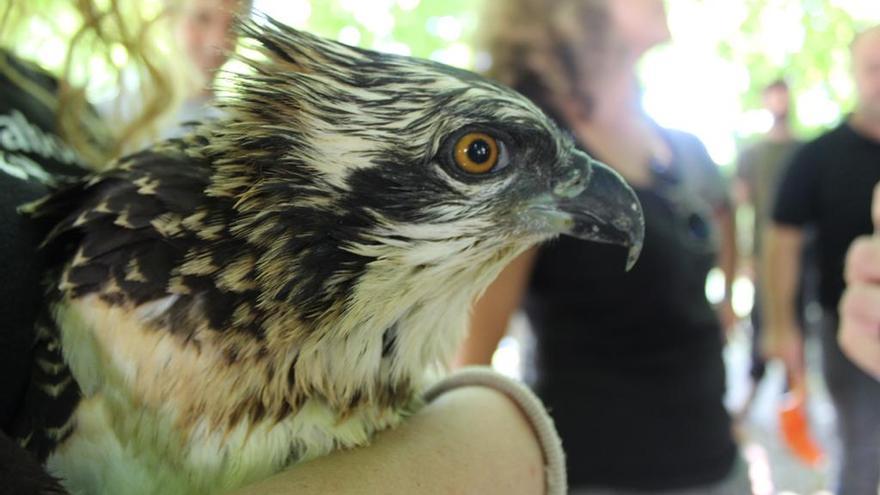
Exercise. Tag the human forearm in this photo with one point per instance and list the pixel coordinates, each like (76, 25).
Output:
(487, 327)
(780, 268)
(781, 263)
(728, 253)
(468, 440)
(727, 261)
(492, 311)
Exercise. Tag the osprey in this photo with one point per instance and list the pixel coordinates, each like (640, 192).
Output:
(284, 282)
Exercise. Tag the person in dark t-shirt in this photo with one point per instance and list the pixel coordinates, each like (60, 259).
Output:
(33, 158)
(828, 186)
(629, 364)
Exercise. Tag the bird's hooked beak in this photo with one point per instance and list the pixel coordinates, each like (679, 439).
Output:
(595, 203)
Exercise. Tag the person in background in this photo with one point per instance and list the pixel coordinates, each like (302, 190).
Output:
(204, 30)
(757, 176)
(629, 364)
(477, 433)
(204, 34)
(828, 186)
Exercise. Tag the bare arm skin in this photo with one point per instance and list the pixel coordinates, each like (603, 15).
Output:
(727, 260)
(780, 269)
(472, 440)
(493, 310)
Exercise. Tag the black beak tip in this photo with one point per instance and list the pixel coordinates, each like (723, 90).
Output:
(606, 209)
(636, 239)
(635, 250)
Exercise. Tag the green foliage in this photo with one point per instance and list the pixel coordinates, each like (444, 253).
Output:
(806, 41)
(410, 27)
(819, 66)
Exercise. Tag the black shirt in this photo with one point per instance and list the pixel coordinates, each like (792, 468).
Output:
(829, 185)
(32, 158)
(630, 364)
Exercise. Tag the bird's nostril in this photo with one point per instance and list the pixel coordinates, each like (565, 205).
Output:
(571, 185)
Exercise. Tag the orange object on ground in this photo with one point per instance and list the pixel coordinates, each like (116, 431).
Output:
(796, 428)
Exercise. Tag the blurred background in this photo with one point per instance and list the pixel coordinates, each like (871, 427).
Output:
(717, 65)
(707, 81)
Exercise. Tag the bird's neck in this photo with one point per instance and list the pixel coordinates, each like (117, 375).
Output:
(399, 327)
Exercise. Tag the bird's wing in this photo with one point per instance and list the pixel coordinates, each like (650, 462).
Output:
(126, 220)
(121, 235)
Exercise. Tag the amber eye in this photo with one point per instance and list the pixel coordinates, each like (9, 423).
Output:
(477, 152)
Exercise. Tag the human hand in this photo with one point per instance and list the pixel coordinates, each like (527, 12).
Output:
(785, 343)
(859, 333)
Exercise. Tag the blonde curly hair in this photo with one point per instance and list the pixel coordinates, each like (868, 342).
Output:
(123, 38)
(549, 50)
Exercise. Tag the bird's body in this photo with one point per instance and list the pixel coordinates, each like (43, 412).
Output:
(178, 361)
(283, 283)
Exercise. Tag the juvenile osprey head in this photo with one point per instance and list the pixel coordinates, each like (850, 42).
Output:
(387, 191)
(401, 157)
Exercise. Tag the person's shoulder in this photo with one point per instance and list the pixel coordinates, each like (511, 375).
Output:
(795, 145)
(754, 147)
(38, 150)
(686, 146)
(814, 152)
(681, 137)
(689, 151)
(842, 133)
